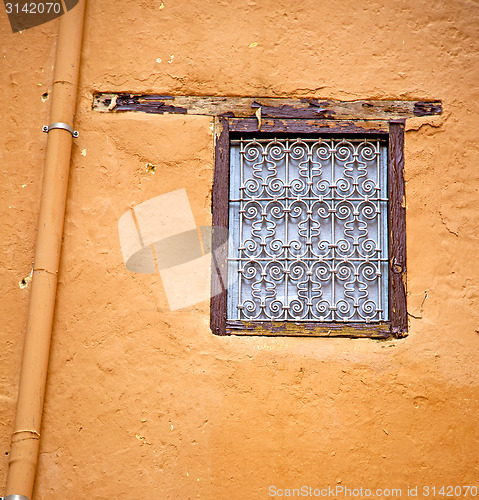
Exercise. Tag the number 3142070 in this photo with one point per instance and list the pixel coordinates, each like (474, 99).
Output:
(450, 491)
(34, 8)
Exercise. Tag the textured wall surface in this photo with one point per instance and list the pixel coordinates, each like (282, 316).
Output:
(147, 402)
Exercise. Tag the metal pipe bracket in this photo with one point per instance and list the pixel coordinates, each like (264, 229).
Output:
(61, 125)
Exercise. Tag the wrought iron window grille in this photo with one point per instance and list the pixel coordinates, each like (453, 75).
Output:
(308, 226)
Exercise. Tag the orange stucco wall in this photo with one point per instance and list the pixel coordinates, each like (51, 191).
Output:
(145, 402)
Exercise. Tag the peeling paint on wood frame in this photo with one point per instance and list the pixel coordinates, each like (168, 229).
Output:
(306, 329)
(219, 209)
(246, 107)
(309, 126)
(397, 230)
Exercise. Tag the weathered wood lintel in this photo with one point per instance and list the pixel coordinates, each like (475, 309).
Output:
(287, 328)
(246, 107)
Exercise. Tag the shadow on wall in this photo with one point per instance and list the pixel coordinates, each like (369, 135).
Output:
(160, 235)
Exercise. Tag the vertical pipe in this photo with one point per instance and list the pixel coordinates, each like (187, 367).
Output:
(33, 376)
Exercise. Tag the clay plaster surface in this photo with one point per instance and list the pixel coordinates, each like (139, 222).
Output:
(144, 400)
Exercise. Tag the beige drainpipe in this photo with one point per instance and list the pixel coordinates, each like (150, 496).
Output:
(33, 376)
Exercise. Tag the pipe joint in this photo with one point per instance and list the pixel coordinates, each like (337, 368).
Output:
(22, 434)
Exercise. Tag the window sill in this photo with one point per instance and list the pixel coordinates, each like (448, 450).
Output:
(302, 329)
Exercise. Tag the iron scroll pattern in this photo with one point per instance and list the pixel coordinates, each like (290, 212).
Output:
(308, 219)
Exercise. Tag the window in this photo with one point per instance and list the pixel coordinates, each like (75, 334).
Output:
(315, 215)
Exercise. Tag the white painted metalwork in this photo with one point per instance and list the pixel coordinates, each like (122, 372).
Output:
(308, 226)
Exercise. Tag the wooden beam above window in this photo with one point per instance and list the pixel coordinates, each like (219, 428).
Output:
(277, 108)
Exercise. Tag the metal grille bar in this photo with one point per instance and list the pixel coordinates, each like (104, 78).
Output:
(308, 225)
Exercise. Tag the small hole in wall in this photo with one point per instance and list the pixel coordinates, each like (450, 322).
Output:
(6, 453)
(23, 283)
(150, 168)
(44, 96)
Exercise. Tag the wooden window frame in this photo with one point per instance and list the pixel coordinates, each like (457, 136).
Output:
(396, 326)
